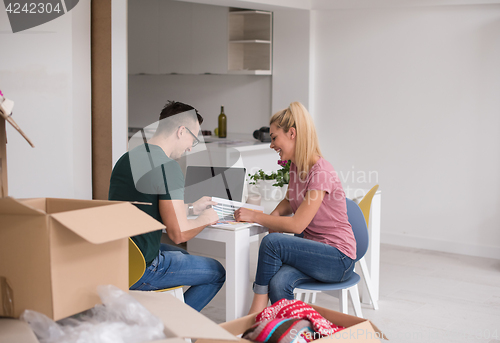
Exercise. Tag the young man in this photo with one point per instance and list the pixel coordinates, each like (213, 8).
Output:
(149, 174)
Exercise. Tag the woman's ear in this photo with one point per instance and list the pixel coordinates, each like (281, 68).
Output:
(292, 132)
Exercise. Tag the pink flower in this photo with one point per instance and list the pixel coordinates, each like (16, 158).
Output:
(282, 163)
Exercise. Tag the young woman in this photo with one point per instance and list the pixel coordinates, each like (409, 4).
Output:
(327, 248)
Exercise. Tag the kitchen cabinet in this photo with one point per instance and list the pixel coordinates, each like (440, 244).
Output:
(250, 42)
(172, 37)
(175, 37)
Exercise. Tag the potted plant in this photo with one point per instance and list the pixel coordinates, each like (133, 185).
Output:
(271, 186)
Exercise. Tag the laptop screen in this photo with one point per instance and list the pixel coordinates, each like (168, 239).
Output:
(221, 182)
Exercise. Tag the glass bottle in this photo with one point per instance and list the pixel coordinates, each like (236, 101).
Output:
(222, 123)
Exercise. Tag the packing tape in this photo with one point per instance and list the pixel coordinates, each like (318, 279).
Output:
(6, 297)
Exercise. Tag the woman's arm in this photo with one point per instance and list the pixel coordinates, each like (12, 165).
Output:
(295, 224)
(284, 208)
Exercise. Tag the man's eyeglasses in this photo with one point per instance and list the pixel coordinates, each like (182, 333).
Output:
(196, 140)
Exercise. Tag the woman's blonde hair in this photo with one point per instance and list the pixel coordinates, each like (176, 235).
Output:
(306, 143)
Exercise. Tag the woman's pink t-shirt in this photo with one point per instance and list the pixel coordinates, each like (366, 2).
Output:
(330, 224)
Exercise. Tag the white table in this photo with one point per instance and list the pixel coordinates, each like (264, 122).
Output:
(237, 254)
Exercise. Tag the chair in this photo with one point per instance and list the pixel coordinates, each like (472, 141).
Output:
(137, 266)
(366, 203)
(340, 289)
(365, 206)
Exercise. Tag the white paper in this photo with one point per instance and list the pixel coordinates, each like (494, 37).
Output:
(225, 210)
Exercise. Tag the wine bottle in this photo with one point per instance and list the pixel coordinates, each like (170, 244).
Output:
(222, 123)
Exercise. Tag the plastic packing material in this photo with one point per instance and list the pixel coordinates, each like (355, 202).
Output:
(120, 319)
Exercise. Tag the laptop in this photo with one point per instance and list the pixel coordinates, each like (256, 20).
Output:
(221, 182)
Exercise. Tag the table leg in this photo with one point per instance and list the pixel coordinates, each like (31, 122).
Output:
(238, 289)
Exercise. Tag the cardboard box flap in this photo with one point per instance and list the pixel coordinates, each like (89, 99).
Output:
(14, 330)
(168, 340)
(376, 329)
(180, 320)
(57, 205)
(12, 206)
(239, 325)
(108, 223)
(346, 320)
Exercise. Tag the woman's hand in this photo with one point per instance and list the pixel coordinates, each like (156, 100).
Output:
(202, 204)
(244, 215)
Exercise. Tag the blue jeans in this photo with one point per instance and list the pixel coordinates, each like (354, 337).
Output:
(176, 267)
(286, 262)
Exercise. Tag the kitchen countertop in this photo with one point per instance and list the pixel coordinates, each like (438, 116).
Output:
(238, 141)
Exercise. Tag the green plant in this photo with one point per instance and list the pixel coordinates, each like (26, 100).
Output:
(281, 176)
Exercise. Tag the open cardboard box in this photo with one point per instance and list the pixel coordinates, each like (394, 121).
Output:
(181, 322)
(55, 252)
(357, 329)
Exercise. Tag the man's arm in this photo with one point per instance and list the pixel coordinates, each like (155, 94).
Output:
(179, 228)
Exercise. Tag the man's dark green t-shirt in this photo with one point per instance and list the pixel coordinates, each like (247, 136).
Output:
(146, 174)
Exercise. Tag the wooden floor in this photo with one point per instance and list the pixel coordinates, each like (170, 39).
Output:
(425, 296)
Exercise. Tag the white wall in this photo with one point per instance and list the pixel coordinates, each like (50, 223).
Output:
(246, 99)
(291, 45)
(46, 72)
(119, 70)
(413, 96)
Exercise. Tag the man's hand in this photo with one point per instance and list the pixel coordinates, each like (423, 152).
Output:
(202, 204)
(209, 216)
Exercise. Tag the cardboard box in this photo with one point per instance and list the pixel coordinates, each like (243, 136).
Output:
(181, 322)
(357, 329)
(55, 252)
(13, 330)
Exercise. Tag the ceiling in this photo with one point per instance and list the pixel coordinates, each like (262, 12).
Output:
(272, 5)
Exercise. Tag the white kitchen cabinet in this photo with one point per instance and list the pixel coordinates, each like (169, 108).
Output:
(209, 47)
(143, 37)
(250, 42)
(175, 37)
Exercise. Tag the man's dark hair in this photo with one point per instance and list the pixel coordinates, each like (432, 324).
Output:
(175, 114)
(175, 107)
